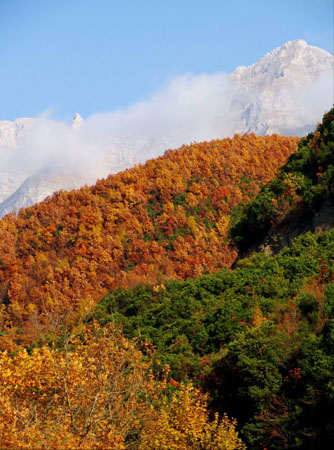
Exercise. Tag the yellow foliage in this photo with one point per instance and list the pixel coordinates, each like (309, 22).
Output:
(183, 424)
(192, 224)
(96, 391)
(258, 318)
(93, 392)
(222, 225)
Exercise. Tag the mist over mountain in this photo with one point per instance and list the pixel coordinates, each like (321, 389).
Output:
(285, 92)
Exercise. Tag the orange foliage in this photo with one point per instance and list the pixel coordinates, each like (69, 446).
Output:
(166, 219)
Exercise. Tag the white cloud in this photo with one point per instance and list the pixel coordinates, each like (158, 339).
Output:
(189, 108)
(318, 97)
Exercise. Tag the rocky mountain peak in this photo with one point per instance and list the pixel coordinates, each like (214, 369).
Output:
(12, 132)
(265, 93)
(77, 121)
(294, 62)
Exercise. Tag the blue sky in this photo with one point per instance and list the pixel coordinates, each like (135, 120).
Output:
(101, 55)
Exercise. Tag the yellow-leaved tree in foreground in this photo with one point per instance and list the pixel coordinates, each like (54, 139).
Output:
(183, 424)
(96, 390)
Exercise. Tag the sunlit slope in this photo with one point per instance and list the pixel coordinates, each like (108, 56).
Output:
(258, 338)
(166, 219)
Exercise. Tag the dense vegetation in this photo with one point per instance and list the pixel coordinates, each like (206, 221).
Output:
(260, 339)
(302, 186)
(166, 219)
(181, 339)
(95, 390)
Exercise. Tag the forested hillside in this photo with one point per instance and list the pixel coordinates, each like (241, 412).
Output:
(259, 339)
(124, 325)
(168, 219)
(292, 200)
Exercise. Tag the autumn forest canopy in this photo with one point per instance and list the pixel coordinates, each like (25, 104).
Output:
(187, 303)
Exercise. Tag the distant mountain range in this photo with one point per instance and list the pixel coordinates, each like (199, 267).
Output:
(267, 97)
